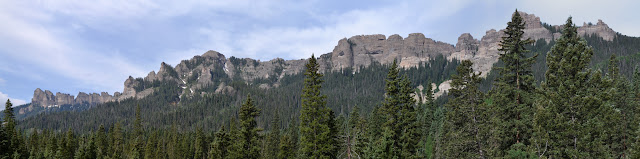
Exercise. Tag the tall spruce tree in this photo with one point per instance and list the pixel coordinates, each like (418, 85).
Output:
(400, 130)
(249, 137)
(316, 136)
(568, 122)
(409, 129)
(513, 94)
(9, 131)
(466, 119)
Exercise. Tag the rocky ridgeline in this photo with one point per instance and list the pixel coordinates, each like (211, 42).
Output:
(205, 71)
(48, 99)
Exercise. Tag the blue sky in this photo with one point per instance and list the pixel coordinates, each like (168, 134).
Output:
(93, 46)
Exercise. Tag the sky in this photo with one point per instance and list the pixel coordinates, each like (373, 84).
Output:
(73, 46)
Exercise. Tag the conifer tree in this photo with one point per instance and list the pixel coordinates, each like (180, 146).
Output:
(400, 131)
(568, 119)
(466, 118)
(410, 133)
(9, 131)
(316, 137)
(52, 146)
(389, 146)
(5, 143)
(102, 147)
(137, 148)
(272, 143)
(152, 144)
(9, 125)
(426, 119)
(234, 149)
(288, 142)
(86, 149)
(117, 141)
(249, 137)
(513, 93)
(623, 100)
(220, 144)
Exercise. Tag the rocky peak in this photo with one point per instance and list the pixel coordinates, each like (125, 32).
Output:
(213, 54)
(531, 20)
(43, 98)
(600, 29)
(533, 28)
(467, 42)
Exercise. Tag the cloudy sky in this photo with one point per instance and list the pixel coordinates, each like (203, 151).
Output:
(93, 46)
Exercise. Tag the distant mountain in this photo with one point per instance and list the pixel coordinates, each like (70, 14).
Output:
(213, 73)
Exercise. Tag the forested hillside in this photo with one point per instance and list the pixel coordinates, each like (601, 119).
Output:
(570, 98)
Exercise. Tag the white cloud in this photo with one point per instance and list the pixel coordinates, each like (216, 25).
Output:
(15, 102)
(295, 42)
(28, 40)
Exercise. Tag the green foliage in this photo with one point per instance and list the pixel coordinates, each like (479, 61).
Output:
(466, 121)
(248, 137)
(571, 96)
(513, 93)
(316, 135)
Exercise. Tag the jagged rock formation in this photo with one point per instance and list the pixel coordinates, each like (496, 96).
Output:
(600, 29)
(210, 72)
(363, 50)
(47, 99)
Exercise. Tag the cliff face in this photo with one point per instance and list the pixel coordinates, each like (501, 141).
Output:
(47, 99)
(210, 69)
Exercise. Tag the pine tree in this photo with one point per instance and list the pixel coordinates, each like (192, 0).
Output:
(220, 145)
(466, 119)
(248, 140)
(513, 93)
(200, 146)
(288, 142)
(234, 149)
(401, 131)
(52, 146)
(354, 137)
(9, 125)
(5, 143)
(102, 147)
(273, 140)
(389, 146)
(410, 132)
(568, 119)
(622, 100)
(137, 147)
(117, 145)
(374, 147)
(86, 149)
(426, 118)
(316, 137)
(152, 143)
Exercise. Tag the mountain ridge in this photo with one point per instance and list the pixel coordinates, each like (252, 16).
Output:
(209, 70)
